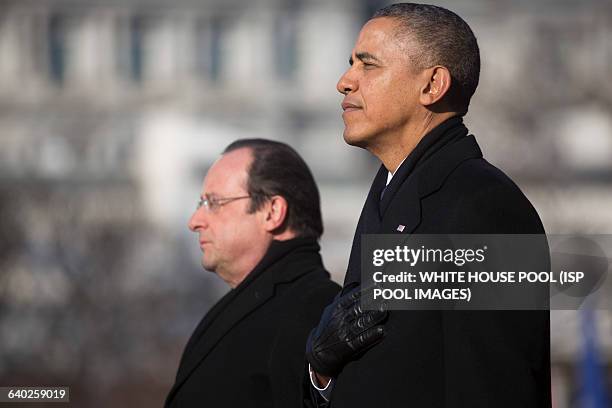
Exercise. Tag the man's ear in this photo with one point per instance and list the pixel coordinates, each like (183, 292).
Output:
(275, 213)
(438, 84)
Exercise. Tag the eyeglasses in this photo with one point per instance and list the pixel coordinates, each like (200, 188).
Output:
(214, 203)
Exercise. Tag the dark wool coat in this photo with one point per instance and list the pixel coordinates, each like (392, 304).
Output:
(248, 351)
(439, 358)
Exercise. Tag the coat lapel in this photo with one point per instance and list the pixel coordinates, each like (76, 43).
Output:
(206, 321)
(244, 304)
(403, 214)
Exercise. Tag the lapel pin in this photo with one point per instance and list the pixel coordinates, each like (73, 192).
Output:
(401, 227)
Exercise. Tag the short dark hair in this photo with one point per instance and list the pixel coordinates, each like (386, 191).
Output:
(277, 169)
(443, 38)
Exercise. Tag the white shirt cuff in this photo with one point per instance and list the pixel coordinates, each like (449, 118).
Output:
(325, 392)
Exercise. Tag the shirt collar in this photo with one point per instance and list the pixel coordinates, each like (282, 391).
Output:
(390, 175)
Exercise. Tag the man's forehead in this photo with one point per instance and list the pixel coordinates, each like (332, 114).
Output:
(377, 37)
(229, 173)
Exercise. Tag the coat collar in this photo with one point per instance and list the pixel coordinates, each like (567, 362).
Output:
(276, 267)
(405, 210)
(449, 131)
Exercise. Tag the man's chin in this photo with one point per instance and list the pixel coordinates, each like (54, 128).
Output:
(209, 265)
(353, 139)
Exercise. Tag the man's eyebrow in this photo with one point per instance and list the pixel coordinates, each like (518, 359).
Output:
(362, 56)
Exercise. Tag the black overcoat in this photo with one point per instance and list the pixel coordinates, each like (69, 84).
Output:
(248, 351)
(449, 359)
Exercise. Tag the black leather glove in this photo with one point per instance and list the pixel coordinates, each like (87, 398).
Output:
(344, 331)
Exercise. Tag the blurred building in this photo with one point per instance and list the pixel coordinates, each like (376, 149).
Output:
(111, 112)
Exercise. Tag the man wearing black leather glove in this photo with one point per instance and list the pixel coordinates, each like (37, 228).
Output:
(344, 331)
(412, 73)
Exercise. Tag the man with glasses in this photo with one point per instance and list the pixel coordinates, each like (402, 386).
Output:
(258, 222)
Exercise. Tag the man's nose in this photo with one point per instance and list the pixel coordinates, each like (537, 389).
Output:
(197, 220)
(346, 83)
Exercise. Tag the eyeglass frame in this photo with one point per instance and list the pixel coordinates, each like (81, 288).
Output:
(211, 203)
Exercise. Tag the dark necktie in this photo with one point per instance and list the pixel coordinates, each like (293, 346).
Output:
(382, 192)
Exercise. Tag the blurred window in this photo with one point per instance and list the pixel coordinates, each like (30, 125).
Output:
(58, 49)
(209, 36)
(285, 45)
(136, 50)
